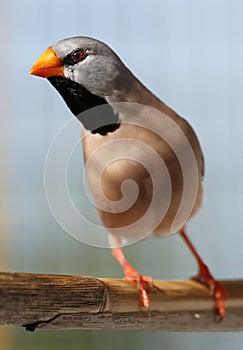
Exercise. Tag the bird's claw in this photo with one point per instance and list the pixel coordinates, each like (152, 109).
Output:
(142, 284)
(205, 277)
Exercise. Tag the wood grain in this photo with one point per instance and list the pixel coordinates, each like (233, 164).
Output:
(69, 302)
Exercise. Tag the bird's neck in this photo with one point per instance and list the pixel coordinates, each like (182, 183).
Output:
(137, 93)
(82, 104)
(88, 107)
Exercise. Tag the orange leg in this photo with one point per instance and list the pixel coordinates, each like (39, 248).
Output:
(204, 276)
(131, 274)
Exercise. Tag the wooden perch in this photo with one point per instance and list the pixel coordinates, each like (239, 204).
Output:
(65, 302)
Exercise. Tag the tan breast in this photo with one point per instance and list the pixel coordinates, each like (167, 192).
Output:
(145, 180)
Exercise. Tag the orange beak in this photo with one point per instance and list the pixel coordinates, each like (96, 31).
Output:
(48, 65)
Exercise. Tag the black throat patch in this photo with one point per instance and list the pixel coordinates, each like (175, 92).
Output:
(80, 101)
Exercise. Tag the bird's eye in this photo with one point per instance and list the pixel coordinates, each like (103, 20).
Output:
(78, 56)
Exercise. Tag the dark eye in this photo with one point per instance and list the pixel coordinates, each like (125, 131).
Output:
(78, 55)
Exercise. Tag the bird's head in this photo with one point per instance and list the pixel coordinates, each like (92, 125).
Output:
(85, 61)
(87, 73)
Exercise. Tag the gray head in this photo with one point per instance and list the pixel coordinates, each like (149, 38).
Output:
(88, 62)
(86, 73)
(92, 64)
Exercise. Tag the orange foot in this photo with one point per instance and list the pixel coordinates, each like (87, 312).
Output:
(142, 281)
(205, 277)
(132, 275)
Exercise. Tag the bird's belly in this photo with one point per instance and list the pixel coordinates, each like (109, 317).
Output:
(131, 200)
(137, 191)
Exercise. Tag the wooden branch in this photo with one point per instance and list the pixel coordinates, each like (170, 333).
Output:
(65, 302)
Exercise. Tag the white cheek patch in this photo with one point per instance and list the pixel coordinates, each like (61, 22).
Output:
(69, 72)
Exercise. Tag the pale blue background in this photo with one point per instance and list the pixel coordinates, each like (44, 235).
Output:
(187, 52)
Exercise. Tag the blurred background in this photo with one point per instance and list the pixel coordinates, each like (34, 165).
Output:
(187, 52)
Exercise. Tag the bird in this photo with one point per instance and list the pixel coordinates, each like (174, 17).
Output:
(143, 161)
